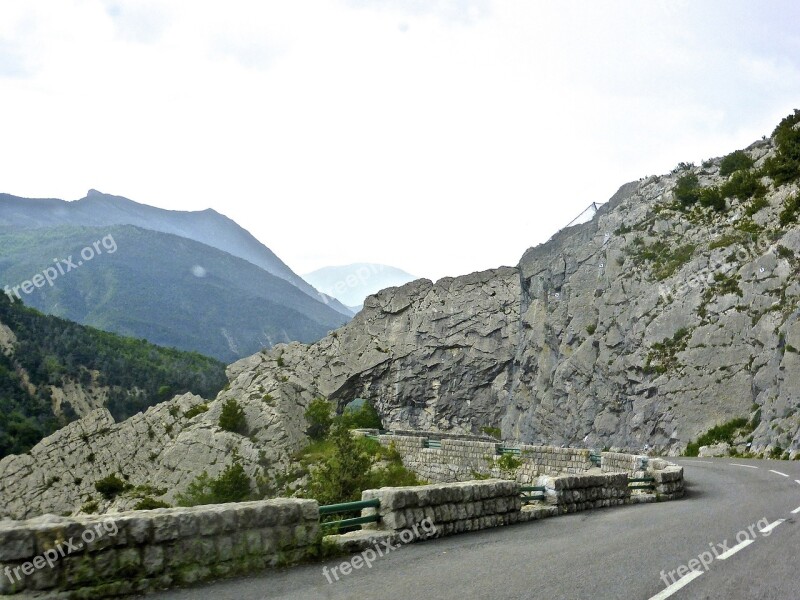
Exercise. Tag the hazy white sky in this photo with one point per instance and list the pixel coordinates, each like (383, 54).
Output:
(437, 136)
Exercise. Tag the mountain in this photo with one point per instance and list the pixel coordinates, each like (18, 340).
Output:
(670, 319)
(103, 210)
(167, 289)
(351, 284)
(53, 371)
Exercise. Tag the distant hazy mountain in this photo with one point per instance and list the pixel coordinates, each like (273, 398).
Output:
(53, 370)
(351, 284)
(208, 227)
(167, 289)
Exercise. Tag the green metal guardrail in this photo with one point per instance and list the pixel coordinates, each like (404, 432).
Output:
(503, 450)
(647, 483)
(527, 497)
(595, 458)
(347, 507)
(433, 443)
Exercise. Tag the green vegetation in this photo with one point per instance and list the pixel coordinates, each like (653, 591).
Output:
(508, 465)
(110, 486)
(662, 356)
(319, 415)
(687, 190)
(784, 166)
(664, 260)
(196, 410)
(726, 433)
(735, 161)
(492, 431)
(232, 417)
(363, 417)
(90, 507)
(340, 466)
(791, 208)
(232, 485)
(591, 328)
(759, 203)
(148, 503)
(54, 351)
(743, 185)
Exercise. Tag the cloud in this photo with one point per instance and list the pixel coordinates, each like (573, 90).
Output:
(143, 22)
(451, 11)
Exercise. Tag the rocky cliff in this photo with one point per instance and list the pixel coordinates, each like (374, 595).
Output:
(672, 311)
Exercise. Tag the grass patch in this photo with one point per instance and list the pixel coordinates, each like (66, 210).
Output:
(726, 433)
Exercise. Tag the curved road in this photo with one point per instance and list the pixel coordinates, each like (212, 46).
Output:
(614, 553)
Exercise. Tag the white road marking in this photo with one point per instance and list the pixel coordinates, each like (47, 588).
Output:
(778, 473)
(796, 510)
(682, 582)
(738, 465)
(771, 526)
(708, 462)
(728, 553)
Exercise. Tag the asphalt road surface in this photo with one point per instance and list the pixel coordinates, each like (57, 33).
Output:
(733, 536)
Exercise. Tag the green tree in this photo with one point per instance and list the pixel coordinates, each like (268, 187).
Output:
(319, 417)
(343, 475)
(364, 417)
(232, 485)
(232, 417)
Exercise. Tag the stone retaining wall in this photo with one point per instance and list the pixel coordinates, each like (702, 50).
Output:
(451, 508)
(143, 550)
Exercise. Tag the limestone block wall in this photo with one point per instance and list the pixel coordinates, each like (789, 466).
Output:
(96, 557)
(451, 508)
(573, 493)
(548, 460)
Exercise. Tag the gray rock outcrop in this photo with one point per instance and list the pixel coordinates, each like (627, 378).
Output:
(643, 328)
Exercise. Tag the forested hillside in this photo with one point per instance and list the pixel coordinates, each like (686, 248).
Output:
(41, 356)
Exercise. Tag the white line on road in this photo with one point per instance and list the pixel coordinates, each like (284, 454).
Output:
(778, 473)
(708, 462)
(738, 465)
(797, 480)
(682, 582)
(771, 526)
(796, 510)
(728, 553)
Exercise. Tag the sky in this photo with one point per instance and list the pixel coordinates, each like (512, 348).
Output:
(438, 136)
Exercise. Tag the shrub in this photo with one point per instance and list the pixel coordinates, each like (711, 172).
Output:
(712, 197)
(743, 185)
(492, 431)
(791, 208)
(319, 418)
(756, 205)
(149, 503)
(233, 485)
(735, 161)
(342, 476)
(784, 166)
(110, 486)
(232, 417)
(508, 465)
(721, 433)
(90, 507)
(365, 417)
(196, 410)
(687, 189)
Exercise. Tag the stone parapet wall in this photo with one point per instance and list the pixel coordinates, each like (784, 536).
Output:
(139, 551)
(450, 508)
(573, 493)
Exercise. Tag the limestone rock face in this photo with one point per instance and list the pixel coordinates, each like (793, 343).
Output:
(638, 330)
